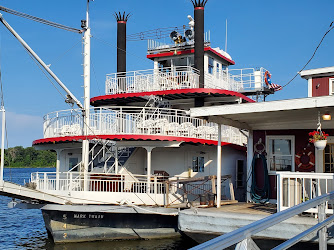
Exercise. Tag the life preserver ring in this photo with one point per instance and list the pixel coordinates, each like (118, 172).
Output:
(267, 78)
(306, 165)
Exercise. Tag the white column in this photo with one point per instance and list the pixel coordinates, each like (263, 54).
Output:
(219, 165)
(116, 160)
(309, 87)
(319, 161)
(149, 167)
(250, 153)
(2, 144)
(85, 143)
(58, 151)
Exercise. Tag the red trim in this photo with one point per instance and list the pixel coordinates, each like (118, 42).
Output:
(199, 8)
(121, 21)
(190, 51)
(172, 92)
(136, 138)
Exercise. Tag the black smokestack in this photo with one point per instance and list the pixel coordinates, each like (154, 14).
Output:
(199, 43)
(199, 38)
(121, 40)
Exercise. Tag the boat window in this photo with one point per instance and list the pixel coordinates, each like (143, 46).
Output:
(329, 158)
(210, 66)
(72, 162)
(198, 164)
(224, 67)
(280, 150)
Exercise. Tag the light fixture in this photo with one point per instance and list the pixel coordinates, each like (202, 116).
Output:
(326, 117)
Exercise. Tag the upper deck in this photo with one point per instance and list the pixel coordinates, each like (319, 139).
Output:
(181, 82)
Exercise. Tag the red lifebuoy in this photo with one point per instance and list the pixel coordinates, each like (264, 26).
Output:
(267, 78)
(306, 165)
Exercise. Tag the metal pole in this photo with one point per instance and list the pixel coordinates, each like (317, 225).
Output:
(2, 144)
(86, 65)
(26, 46)
(219, 165)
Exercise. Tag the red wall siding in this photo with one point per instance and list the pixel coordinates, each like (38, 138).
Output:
(301, 142)
(323, 86)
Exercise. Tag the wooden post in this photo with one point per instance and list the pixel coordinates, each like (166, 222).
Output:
(213, 184)
(322, 232)
(167, 193)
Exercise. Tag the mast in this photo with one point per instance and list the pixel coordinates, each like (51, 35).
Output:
(86, 75)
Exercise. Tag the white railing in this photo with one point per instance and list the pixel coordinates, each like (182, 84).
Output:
(140, 121)
(240, 80)
(152, 80)
(98, 182)
(294, 188)
(154, 46)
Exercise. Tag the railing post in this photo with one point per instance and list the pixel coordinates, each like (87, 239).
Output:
(155, 185)
(279, 193)
(45, 181)
(71, 175)
(322, 232)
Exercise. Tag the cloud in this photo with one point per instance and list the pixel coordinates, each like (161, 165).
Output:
(23, 129)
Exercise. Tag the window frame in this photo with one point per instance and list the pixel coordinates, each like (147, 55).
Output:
(199, 167)
(280, 137)
(211, 67)
(331, 86)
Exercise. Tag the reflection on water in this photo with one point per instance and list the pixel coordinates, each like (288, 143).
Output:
(24, 229)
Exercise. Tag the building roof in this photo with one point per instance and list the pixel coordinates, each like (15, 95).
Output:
(327, 71)
(274, 115)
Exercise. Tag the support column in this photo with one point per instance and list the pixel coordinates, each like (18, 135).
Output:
(250, 153)
(2, 144)
(219, 165)
(58, 151)
(149, 168)
(116, 160)
(319, 161)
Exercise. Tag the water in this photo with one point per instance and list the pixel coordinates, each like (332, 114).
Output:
(24, 229)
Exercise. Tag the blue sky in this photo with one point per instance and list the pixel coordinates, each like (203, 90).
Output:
(277, 35)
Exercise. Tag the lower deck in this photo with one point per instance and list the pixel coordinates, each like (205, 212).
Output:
(212, 222)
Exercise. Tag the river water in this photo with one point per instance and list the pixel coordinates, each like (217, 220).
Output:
(24, 229)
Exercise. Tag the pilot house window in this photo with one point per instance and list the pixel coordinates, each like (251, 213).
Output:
(211, 65)
(198, 164)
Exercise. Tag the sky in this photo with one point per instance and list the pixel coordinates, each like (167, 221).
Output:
(280, 36)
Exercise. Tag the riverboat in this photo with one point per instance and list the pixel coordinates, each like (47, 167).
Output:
(127, 161)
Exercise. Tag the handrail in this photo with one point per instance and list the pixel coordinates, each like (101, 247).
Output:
(234, 237)
(139, 121)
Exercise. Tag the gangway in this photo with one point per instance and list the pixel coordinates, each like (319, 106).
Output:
(24, 193)
(242, 236)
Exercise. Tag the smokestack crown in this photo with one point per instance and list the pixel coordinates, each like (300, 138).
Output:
(121, 17)
(199, 3)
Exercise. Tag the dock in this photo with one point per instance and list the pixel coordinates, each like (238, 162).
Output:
(203, 224)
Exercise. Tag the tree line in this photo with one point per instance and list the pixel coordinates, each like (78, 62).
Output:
(18, 157)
